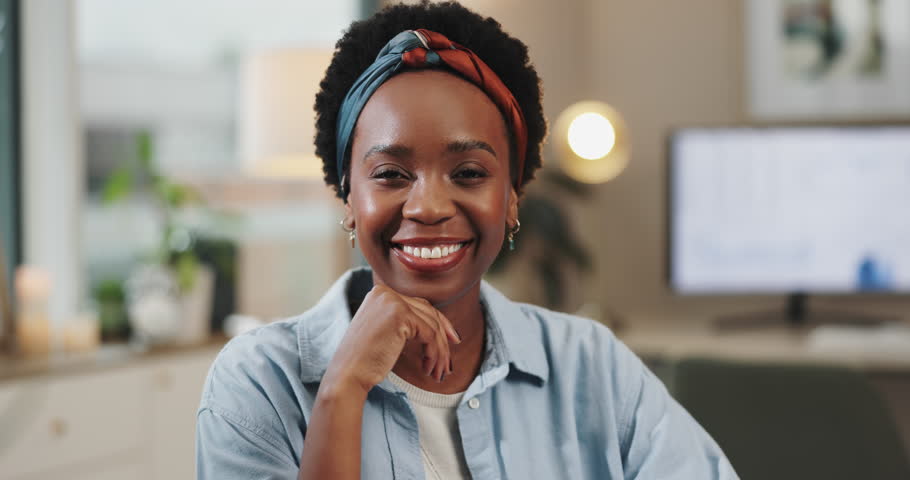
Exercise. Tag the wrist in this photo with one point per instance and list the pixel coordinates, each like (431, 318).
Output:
(340, 387)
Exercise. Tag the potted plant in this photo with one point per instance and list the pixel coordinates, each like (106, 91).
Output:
(168, 296)
(546, 243)
(111, 302)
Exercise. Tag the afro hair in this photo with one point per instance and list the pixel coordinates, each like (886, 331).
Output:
(358, 47)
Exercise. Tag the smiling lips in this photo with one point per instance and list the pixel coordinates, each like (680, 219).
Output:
(430, 256)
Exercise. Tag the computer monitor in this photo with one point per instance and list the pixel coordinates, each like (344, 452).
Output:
(805, 209)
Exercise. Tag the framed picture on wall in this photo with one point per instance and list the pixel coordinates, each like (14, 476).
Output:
(828, 59)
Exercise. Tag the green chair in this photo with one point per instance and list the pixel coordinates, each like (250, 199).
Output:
(781, 422)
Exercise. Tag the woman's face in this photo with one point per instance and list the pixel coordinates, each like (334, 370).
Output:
(429, 177)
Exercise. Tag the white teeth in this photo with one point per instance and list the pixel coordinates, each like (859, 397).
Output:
(431, 252)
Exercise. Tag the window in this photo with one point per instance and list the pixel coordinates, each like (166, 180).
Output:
(167, 74)
(9, 145)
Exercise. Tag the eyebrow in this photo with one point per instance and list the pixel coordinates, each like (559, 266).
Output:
(394, 150)
(459, 146)
(400, 151)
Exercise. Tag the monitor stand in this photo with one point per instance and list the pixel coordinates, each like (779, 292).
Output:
(796, 315)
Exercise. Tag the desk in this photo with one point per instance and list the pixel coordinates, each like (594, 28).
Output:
(667, 343)
(888, 370)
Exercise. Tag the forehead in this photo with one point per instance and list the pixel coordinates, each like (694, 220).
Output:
(427, 109)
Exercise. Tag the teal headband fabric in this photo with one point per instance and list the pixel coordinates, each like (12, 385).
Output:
(388, 62)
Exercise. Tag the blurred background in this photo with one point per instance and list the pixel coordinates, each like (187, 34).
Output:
(726, 186)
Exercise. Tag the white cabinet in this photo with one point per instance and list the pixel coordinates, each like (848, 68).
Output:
(48, 425)
(131, 421)
(176, 390)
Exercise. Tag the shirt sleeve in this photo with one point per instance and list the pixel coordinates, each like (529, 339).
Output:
(249, 424)
(664, 441)
(228, 448)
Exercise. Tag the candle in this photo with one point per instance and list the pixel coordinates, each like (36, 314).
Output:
(33, 335)
(82, 334)
(33, 330)
(32, 284)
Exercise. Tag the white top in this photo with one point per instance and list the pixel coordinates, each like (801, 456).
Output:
(440, 440)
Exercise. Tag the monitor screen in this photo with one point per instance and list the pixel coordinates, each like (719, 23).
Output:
(795, 209)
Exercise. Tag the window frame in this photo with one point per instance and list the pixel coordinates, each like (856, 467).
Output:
(10, 160)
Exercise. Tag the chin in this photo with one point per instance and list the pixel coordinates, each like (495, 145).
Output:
(438, 288)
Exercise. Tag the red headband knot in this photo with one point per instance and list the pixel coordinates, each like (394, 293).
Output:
(468, 64)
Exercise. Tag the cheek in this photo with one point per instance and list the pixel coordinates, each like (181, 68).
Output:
(374, 214)
(366, 205)
(489, 213)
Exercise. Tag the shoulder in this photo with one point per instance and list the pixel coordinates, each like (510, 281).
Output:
(526, 326)
(250, 410)
(589, 356)
(567, 334)
(270, 345)
(256, 368)
(270, 363)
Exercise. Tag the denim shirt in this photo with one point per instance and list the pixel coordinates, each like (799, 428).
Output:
(557, 396)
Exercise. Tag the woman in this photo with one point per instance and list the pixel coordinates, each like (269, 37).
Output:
(415, 368)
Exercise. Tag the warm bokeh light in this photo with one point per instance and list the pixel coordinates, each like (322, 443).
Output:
(591, 142)
(591, 136)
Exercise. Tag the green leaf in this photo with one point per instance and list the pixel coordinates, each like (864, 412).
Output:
(144, 150)
(176, 195)
(546, 219)
(118, 185)
(186, 267)
(108, 290)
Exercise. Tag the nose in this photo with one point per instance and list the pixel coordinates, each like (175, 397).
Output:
(429, 202)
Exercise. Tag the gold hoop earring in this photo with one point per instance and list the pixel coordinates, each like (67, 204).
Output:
(512, 233)
(352, 235)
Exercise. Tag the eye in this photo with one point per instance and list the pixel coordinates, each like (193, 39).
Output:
(470, 174)
(389, 174)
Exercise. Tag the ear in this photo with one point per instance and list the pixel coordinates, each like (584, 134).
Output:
(348, 215)
(512, 209)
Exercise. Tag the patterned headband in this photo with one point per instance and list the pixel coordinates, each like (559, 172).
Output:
(423, 48)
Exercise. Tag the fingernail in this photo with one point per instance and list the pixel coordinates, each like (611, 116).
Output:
(456, 334)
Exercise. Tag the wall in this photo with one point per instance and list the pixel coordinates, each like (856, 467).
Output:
(661, 64)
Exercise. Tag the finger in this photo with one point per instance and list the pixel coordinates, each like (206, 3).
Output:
(445, 339)
(444, 324)
(441, 328)
(443, 361)
(428, 334)
(441, 345)
(428, 308)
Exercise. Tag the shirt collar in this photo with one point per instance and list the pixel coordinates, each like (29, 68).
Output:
(514, 337)
(521, 338)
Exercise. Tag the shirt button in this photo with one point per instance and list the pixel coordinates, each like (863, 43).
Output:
(474, 403)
